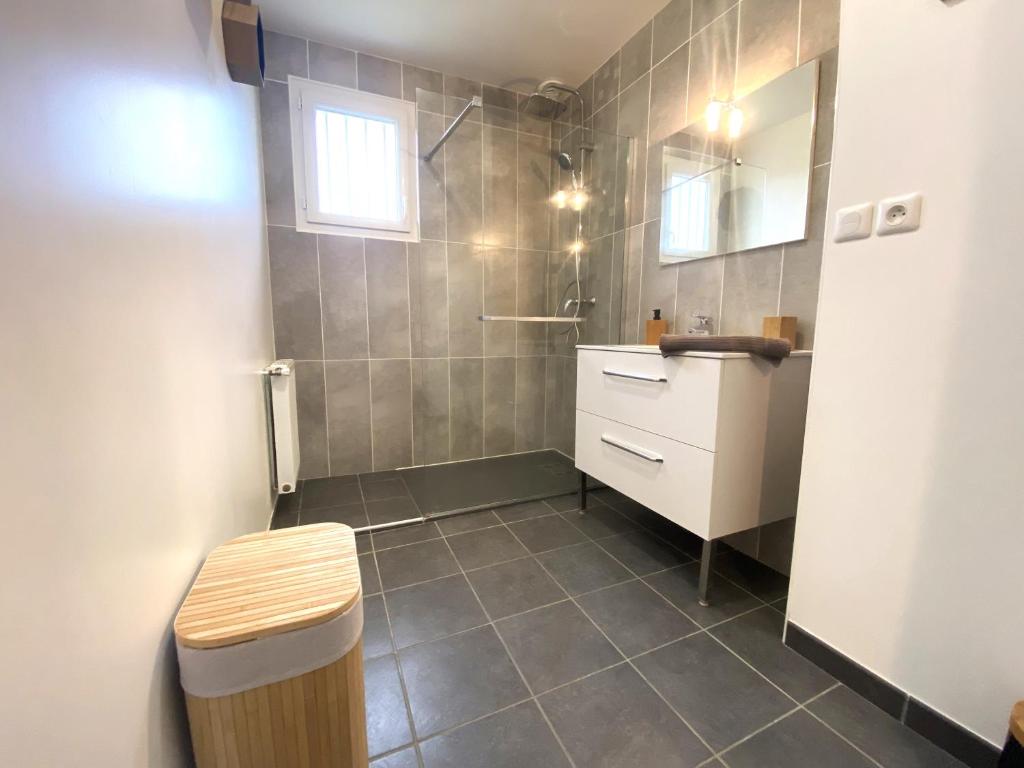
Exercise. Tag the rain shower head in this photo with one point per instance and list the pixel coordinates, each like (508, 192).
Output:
(542, 106)
(565, 161)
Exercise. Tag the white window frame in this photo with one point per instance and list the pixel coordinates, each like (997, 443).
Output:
(304, 96)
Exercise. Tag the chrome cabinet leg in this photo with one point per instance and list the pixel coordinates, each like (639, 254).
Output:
(707, 557)
(583, 492)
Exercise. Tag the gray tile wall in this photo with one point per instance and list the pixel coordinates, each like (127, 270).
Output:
(394, 367)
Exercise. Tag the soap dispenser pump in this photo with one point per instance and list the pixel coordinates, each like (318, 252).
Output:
(655, 327)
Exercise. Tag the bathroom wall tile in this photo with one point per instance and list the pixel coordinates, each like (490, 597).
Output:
(706, 11)
(391, 409)
(279, 186)
(801, 265)
(343, 297)
(430, 411)
(428, 294)
(634, 104)
(424, 86)
(658, 283)
(604, 202)
(534, 210)
(825, 125)
(467, 403)
(768, 42)
(499, 299)
(698, 289)
(560, 403)
(499, 186)
(332, 65)
(465, 300)
(387, 296)
(530, 381)
(431, 177)
(295, 292)
(671, 28)
(285, 55)
(464, 182)
(668, 95)
(377, 75)
(457, 93)
(531, 300)
(712, 62)
(601, 263)
(501, 107)
(348, 417)
(312, 412)
(634, 250)
(499, 405)
(606, 82)
(616, 304)
(819, 27)
(635, 56)
(751, 290)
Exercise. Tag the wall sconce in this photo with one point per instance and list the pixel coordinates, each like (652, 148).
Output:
(560, 199)
(713, 117)
(577, 199)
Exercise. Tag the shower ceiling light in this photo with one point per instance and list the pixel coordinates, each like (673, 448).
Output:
(713, 115)
(560, 198)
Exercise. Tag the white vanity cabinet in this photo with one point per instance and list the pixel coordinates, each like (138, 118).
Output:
(709, 440)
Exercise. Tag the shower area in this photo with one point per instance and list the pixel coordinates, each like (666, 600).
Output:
(468, 401)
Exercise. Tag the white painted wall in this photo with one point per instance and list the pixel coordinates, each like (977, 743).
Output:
(134, 312)
(911, 518)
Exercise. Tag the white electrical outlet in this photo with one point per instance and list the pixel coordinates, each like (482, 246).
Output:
(853, 222)
(899, 214)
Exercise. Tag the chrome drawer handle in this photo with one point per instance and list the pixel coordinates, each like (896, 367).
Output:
(636, 450)
(637, 376)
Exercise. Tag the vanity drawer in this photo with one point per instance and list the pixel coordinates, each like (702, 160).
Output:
(675, 397)
(670, 477)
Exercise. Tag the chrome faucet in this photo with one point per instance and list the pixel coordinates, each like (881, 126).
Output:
(703, 327)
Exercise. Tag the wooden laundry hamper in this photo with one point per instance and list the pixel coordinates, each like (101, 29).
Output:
(271, 655)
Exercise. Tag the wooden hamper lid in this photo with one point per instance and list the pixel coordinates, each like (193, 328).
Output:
(268, 583)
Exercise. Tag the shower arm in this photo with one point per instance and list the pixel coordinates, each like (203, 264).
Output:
(474, 103)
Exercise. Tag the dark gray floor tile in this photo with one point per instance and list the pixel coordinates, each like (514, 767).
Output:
(289, 502)
(407, 534)
(614, 720)
(717, 694)
(404, 759)
(403, 566)
(513, 513)
(583, 568)
(364, 543)
(368, 574)
(433, 610)
(757, 638)
(387, 721)
(600, 522)
(376, 634)
(514, 587)
(471, 521)
(555, 645)
(882, 737)
(458, 679)
(330, 492)
(679, 585)
(752, 576)
(545, 533)
(635, 617)
(284, 519)
(379, 476)
(352, 515)
(514, 738)
(566, 503)
(611, 497)
(780, 605)
(391, 510)
(389, 488)
(486, 547)
(798, 741)
(642, 553)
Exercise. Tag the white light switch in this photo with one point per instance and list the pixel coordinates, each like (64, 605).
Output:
(899, 214)
(853, 222)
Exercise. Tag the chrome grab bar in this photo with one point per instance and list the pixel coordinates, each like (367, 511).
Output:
(637, 376)
(636, 450)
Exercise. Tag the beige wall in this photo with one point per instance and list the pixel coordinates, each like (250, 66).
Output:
(134, 313)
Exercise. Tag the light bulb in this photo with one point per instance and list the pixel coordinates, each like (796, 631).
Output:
(713, 116)
(576, 247)
(735, 122)
(578, 200)
(560, 198)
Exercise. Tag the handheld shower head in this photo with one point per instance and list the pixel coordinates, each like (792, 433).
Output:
(565, 161)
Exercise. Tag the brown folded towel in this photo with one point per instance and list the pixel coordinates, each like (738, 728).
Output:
(773, 349)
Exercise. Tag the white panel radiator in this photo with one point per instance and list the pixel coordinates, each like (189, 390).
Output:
(284, 424)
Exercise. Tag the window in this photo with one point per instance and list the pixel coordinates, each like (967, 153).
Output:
(354, 159)
(689, 207)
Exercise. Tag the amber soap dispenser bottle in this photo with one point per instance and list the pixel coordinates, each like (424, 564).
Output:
(655, 327)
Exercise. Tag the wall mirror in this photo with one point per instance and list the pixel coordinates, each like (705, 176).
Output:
(739, 178)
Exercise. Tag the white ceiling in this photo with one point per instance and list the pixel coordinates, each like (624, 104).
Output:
(512, 43)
